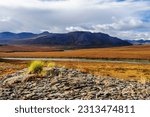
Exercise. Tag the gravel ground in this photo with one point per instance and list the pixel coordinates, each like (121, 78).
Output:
(69, 84)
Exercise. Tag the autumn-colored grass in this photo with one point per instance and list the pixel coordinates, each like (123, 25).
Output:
(8, 67)
(126, 71)
(140, 72)
(128, 52)
(24, 48)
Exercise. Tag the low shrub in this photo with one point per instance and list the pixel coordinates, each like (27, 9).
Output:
(36, 67)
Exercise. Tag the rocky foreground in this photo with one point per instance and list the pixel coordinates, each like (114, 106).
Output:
(69, 84)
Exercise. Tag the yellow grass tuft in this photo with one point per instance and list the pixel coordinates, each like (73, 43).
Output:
(51, 65)
(36, 67)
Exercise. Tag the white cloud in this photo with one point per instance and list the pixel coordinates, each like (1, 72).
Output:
(5, 19)
(107, 16)
(120, 24)
(123, 28)
(134, 35)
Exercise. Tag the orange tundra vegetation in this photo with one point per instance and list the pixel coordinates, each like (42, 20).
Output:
(140, 72)
(128, 52)
(8, 67)
(126, 71)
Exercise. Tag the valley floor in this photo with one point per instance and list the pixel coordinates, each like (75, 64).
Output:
(123, 80)
(127, 52)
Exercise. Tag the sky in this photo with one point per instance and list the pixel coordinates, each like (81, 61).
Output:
(126, 19)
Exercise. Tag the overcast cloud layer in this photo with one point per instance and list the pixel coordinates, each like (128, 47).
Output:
(127, 19)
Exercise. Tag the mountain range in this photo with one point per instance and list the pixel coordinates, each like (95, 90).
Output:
(140, 41)
(78, 39)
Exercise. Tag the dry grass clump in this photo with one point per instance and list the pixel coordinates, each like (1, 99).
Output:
(51, 65)
(144, 80)
(48, 71)
(36, 67)
(41, 68)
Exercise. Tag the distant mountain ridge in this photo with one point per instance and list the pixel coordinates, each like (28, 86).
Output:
(6, 37)
(78, 39)
(140, 41)
(10, 35)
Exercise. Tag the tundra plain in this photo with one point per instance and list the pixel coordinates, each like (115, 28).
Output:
(127, 71)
